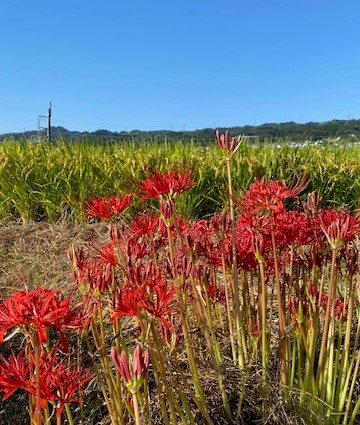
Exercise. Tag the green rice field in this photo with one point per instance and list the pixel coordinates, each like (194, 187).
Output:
(47, 181)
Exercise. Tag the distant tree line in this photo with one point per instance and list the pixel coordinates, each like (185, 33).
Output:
(290, 131)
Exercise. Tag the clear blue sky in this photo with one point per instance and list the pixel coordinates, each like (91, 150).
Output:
(175, 64)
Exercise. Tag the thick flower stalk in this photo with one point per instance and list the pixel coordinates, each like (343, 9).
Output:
(229, 146)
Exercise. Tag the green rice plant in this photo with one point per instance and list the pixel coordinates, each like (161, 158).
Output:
(47, 181)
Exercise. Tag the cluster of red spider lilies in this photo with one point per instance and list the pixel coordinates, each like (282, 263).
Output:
(255, 279)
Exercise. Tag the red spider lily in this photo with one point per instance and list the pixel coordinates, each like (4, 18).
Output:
(198, 238)
(225, 142)
(131, 244)
(159, 302)
(107, 255)
(36, 311)
(100, 278)
(182, 264)
(135, 248)
(172, 334)
(96, 276)
(14, 374)
(167, 210)
(133, 372)
(148, 226)
(168, 185)
(269, 196)
(127, 303)
(298, 309)
(292, 227)
(253, 240)
(352, 261)
(340, 312)
(340, 227)
(311, 292)
(58, 383)
(257, 243)
(77, 259)
(18, 372)
(312, 204)
(65, 383)
(104, 208)
(140, 272)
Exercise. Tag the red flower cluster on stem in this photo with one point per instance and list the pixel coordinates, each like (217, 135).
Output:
(106, 208)
(227, 143)
(36, 311)
(269, 196)
(59, 383)
(167, 185)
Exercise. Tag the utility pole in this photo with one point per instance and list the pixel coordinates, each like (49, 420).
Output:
(41, 127)
(49, 124)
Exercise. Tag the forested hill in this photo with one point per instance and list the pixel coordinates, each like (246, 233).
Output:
(291, 131)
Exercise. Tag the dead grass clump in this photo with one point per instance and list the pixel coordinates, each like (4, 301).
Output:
(36, 253)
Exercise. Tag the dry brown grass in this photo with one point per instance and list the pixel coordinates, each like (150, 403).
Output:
(37, 253)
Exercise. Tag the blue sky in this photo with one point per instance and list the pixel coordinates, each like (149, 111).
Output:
(177, 64)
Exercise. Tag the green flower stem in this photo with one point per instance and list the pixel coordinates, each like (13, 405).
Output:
(158, 386)
(203, 313)
(105, 360)
(241, 346)
(329, 360)
(310, 359)
(158, 359)
(136, 408)
(189, 348)
(208, 329)
(189, 389)
(264, 337)
(37, 412)
(113, 399)
(293, 361)
(58, 420)
(336, 374)
(320, 375)
(100, 379)
(354, 412)
(342, 385)
(228, 309)
(189, 419)
(68, 414)
(282, 336)
(246, 302)
(354, 376)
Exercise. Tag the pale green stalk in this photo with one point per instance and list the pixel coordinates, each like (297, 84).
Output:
(189, 348)
(282, 336)
(228, 309)
(158, 360)
(342, 387)
(321, 376)
(264, 337)
(353, 377)
(241, 346)
(136, 409)
(68, 414)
